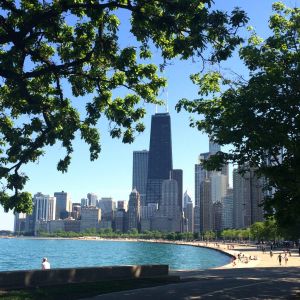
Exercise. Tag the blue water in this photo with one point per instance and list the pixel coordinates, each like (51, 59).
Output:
(26, 254)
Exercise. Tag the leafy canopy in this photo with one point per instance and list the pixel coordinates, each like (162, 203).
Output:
(260, 117)
(48, 45)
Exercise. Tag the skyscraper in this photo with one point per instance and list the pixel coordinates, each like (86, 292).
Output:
(218, 186)
(186, 199)
(189, 215)
(239, 204)
(213, 147)
(169, 214)
(92, 199)
(177, 175)
(90, 217)
(160, 156)
(247, 198)
(63, 205)
(188, 209)
(134, 210)
(200, 175)
(44, 208)
(107, 206)
(140, 173)
(206, 206)
(227, 213)
(217, 216)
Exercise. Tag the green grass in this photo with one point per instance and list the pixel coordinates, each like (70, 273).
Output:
(82, 290)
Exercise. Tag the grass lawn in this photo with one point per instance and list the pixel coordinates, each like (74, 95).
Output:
(82, 290)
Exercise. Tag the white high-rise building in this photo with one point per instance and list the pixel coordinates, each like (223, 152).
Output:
(20, 221)
(169, 216)
(247, 199)
(186, 199)
(44, 207)
(140, 173)
(218, 186)
(147, 212)
(206, 196)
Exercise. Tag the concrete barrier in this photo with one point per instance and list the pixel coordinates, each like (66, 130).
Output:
(33, 278)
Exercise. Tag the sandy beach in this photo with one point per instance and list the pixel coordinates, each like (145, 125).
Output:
(263, 260)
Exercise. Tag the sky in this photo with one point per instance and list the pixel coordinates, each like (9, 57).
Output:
(111, 174)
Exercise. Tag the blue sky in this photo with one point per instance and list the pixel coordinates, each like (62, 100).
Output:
(111, 174)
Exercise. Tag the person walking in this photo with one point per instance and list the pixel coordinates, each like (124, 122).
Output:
(271, 253)
(286, 258)
(45, 264)
(279, 259)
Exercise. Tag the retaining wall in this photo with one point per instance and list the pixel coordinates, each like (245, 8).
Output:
(33, 278)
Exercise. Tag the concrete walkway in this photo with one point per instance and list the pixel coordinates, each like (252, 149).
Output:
(262, 278)
(247, 283)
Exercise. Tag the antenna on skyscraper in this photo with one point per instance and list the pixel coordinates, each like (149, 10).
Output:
(167, 101)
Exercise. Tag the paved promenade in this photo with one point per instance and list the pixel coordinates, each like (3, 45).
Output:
(262, 278)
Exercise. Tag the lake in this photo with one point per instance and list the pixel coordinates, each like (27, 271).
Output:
(27, 254)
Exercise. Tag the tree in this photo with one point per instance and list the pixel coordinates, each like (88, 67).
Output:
(47, 45)
(209, 235)
(260, 117)
(257, 231)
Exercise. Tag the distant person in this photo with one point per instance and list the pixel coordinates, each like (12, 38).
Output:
(45, 264)
(286, 258)
(271, 253)
(279, 259)
(233, 261)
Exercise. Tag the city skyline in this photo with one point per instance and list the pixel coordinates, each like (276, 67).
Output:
(111, 174)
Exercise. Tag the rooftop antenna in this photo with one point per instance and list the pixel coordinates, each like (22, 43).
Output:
(167, 101)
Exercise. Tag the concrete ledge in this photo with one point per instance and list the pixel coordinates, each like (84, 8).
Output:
(33, 278)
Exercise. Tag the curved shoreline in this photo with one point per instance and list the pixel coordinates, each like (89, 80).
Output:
(262, 259)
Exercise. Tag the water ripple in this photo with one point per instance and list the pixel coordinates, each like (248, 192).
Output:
(26, 254)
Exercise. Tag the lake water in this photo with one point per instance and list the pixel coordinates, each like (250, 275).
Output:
(26, 254)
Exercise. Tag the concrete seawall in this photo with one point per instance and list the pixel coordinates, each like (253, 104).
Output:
(33, 278)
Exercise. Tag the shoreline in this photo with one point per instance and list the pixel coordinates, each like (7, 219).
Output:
(263, 260)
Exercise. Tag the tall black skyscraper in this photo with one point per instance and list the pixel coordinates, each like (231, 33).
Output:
(160, 156)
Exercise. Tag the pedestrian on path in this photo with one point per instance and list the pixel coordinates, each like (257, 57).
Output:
(286, 258)
(271, 253)
(279, 259)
